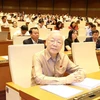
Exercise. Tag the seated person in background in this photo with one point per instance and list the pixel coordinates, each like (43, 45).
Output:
(50, 64)
(21, 18)
(48, 21)
(94, 38)
(72, 37)
(15, 25)
(59, 25)
(92, 28)
(88, 29)
(23, 31)
(54, 22)
(73, 26)
(4, 21)
(34, 33)
(40, 24)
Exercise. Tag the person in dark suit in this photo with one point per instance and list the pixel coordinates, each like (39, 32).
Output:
(34, 33)
(94, 38)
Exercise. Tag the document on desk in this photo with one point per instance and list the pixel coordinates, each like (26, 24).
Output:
(61, 90)
(88, 83)
(5, 57)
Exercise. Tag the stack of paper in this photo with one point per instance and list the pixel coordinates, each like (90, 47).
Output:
(88, 83)
(5, 57)
(61, 90)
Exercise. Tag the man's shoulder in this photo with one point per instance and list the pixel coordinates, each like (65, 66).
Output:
(40, 54)
(99, 40)
(63, 55)
(88, 39)
(40, 41)
(17, 32)
(27, 41)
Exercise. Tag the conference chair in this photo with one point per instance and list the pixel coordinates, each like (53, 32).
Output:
(81, 38)
(82, 32)
(31, 25)
(20, 23)
(66, 24)
(43, 33)
(64, 32)
(5, 28)
(18, 40)
(51, 27)
(12, 31)
(84, 55)
(20, 62)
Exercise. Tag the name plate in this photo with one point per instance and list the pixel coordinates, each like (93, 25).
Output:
(88, 96)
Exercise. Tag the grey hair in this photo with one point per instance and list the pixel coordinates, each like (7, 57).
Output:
(53, 32)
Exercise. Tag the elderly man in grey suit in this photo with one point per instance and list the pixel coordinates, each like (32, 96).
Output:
(34, 33)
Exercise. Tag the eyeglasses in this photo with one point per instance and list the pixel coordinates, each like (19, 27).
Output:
(58, 42)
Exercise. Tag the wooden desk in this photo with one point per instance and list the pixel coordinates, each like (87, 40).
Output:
(36, 92)
(4, 47)
(7, 29)
(98, 56)
(71, 57)
(4, 76)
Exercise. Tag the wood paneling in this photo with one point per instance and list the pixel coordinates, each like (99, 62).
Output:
(78, 3)
(0, 5)
(77, 13)
(61, 6)
(10, 5)
(73, 7)
(94, 3)
(78, 7)
(2, 95)
(44, 6)
(4, 75)
(4, 47)
(93, 8)
(28, 6)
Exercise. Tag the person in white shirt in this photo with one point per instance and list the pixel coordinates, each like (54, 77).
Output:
(40, 24)
(23, 31)
(4, 21)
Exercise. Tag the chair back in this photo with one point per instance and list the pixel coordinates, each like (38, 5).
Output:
(12, 31)
(18, 40)
(43, 33)
(20, 62)
(84, 54)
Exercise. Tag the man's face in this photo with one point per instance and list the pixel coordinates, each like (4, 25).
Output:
(23, 32)
(54, 43)
(4, 20)
(35, 34)
(95, 35)
(41, 24)
(93, 29)
(74, 35)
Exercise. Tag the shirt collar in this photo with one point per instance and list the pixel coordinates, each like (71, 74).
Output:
(34, 41)
(48, 56)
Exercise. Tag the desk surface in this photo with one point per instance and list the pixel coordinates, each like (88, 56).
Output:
(4, 73)
(37, 92)
(70, 53)
(3, 61)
